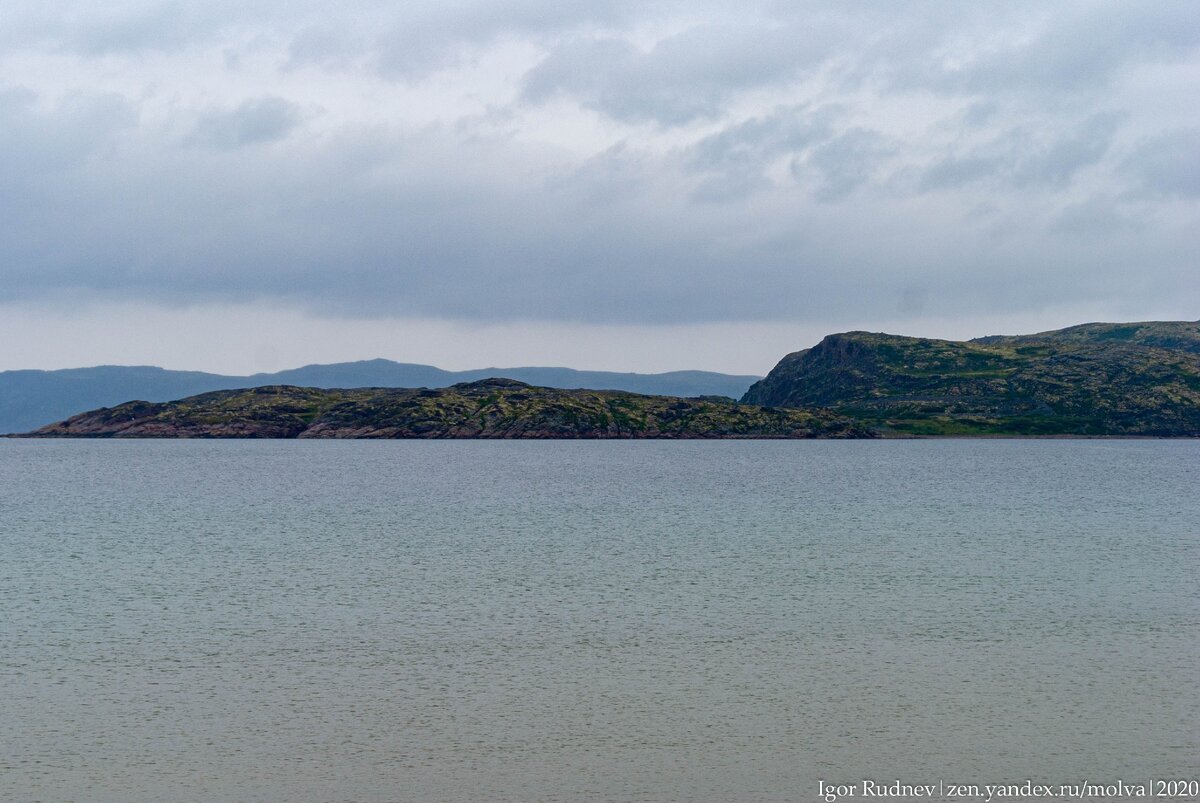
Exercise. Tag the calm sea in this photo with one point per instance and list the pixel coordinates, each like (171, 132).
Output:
(593, 620)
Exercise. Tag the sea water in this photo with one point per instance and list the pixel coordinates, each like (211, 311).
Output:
(715, 620)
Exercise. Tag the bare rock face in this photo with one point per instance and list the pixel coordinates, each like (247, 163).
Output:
(489, 408)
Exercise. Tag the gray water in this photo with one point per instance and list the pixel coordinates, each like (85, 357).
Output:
(592, 620)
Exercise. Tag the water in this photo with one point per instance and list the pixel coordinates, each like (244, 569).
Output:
(592, 620)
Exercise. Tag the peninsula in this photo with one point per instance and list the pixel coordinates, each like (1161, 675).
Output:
(490, 408)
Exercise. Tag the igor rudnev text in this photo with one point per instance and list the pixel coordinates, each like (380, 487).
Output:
(945, 790)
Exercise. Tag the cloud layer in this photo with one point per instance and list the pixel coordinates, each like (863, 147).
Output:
(602, 162)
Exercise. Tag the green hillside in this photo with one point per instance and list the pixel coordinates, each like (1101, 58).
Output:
(1094, 379)
(1169, 335)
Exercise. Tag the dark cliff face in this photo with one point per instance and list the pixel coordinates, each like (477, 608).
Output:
(492, 408)
(1097, 379)
(839, 364)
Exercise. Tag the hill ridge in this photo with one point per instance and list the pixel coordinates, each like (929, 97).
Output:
(487, 408)
(30, 398)
(1092, 379)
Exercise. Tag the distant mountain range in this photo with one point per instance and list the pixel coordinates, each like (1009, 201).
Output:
(1093, 379)
(31, 399)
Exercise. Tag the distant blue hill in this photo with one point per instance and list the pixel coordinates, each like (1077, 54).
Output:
(30, 399)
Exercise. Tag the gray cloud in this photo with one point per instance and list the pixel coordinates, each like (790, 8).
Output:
(685, 76)
(121, 26)
(1059, 161)
(432, 35)
(1086, 48)
(162, 26)
(251, 122)
(44, 138)
(1167, 164)
(846, 162)
(955, 171)
(1095, 217)
(786, 130)
(1027, 47)
(320, 46)
(735, 160)
(1022, 158)
(560, 249)
(603, 162)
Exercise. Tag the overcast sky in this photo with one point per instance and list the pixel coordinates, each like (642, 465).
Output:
(604, 184)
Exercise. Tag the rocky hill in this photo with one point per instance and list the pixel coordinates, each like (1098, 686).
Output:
(30, 399)
(1094, 379)
(493, 408)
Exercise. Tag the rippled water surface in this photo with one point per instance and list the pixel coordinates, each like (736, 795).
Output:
(592, 620)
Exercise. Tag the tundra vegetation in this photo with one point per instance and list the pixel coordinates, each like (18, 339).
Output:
(1094, 379)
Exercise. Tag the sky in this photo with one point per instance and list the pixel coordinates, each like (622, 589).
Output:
(607, 184)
